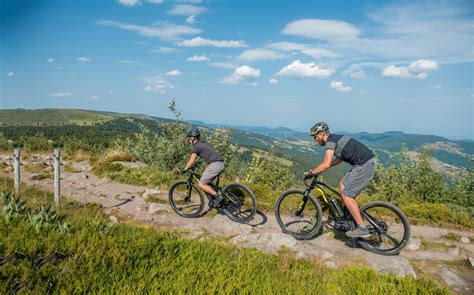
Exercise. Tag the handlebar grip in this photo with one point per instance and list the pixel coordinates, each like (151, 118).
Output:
(314, 177)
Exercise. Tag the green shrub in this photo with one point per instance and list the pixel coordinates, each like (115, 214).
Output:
(5, 144)
(145, 176)
(438, 214)
(37, 143)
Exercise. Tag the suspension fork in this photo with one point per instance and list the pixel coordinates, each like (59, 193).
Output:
(303, 202)
(188, 189)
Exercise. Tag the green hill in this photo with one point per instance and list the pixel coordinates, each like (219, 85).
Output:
(285, 143)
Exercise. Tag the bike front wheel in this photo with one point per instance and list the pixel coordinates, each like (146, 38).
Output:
(239, 203)
(389, 228)
(186, 199)
(298, 215)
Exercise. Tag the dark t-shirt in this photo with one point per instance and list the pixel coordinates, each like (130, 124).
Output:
(349, 149)
(206, 152)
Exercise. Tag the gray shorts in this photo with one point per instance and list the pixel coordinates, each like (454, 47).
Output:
(211, 172)
(358, 178)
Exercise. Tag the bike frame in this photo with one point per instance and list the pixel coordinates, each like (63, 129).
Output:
(195, 176)
(334, 209)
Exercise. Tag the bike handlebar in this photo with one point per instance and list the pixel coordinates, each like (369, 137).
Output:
(195, 165)
(313, 177)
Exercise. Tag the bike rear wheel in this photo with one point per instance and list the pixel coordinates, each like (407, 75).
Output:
(239, 203)
(301, 223)
(389, 228)
(186, 199)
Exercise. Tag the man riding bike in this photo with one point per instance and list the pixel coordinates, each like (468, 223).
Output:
(363, 163)
(215, 165)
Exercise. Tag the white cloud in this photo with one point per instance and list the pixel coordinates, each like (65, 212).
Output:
(423, 65)
(422, 75)
(304, 49)
(330, 30)
(260, 54)
(273, 81)
(397, 31)
(443, 31)
(191, 19)
(438, 86)
(84, 59)
(9, 74)
(140, 42)
(173, 73)
(339, 86)
(302, 70)
(157, 84)
(199, 42)
(360, 75)
(156, 1)
(398, 72)
(110, 91)
(61, 94)
(130, 3)
(418, 70)
(164, 50)
(242, 74)
(198, 58)
(50, 60)
(165, 31)
(93, 97)
(224, 65)
(186, 9)
(131, 62)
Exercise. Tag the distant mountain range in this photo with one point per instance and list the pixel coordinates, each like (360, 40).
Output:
(294, 145)
(457, 153)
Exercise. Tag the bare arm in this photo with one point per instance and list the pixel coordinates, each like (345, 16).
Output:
(191, 160)
(336, 161)
(327, 162)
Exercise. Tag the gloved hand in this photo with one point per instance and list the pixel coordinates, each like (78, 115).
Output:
(183, 171)
(308, 174)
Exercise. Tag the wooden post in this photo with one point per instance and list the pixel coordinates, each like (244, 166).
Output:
(57, 175)
(16, 168)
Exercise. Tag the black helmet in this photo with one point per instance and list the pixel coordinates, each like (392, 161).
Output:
(318, 127)
(194, 132)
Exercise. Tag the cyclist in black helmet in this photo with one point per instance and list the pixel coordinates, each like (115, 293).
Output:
(343, 148)
(215, 164)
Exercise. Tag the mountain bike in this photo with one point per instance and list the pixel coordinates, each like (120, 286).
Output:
(187, 199)
(299, 214)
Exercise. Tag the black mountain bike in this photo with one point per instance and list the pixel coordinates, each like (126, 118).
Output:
(300, 215)
(187, 199)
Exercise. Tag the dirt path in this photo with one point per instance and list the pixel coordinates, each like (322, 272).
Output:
(427, 254)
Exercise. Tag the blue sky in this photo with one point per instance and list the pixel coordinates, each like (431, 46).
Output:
(358, 65)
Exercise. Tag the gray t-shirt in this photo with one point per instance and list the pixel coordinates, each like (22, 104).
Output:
(206, 152)
(349, 149)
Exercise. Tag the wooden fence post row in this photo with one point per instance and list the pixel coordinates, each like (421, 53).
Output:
(57, 175)
(57, 172)
(16, 168)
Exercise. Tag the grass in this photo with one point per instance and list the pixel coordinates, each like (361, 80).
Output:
(436, 214)
(94, 256)
(146, 176)
(452, 236)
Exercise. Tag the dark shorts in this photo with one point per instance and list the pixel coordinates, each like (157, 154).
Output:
(358, 178)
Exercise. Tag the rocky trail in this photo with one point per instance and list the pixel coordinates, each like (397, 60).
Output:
(429, 253)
